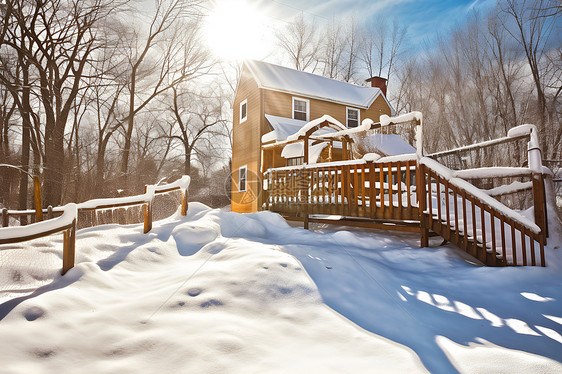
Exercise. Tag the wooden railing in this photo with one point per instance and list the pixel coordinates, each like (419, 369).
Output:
(382, 190)
(477, 223)
(66, 224)
(51, 226)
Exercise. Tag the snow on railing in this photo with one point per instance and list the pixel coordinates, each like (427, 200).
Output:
(66, 223)
(451, 177)
(475, 221)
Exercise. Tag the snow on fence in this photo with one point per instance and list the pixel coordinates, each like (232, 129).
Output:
(67, 222)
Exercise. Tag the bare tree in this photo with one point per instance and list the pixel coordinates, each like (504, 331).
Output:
(198, 118)
(332, 50)
(171, 53)
(300, 41)
(351, 51)
(54, 42)
(381, 47)
(534, 23)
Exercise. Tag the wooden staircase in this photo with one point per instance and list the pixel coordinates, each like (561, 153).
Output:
(477, 223)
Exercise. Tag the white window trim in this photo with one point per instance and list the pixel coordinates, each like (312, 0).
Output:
(245, 167)
(347, 118)
(240, 114)
(307, 107)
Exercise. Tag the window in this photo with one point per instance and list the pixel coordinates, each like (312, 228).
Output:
(242, 172)
(300, 109)
(295, 161)
(243, 110)
(352, 117)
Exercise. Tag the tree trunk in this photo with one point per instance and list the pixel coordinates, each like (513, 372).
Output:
(54, 166)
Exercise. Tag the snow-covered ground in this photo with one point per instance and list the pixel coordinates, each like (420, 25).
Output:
(221, 292)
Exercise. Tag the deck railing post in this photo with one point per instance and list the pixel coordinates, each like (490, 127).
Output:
(69, 248)
(534, 158)
(5, 218)
(539, 203)
(305, 186)
(422, 202)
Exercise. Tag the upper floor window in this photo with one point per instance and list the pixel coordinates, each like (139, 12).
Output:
(352, 117)
(301, 109)
(243, 110)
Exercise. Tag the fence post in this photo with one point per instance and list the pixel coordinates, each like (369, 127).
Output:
(421, 193)
(5, 218)
(50, 212)
(184, 203)
(69, 248)
(148, 210)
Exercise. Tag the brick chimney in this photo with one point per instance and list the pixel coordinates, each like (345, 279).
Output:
(378, 82)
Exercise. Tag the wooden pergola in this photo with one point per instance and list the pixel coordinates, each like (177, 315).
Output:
(306, 138)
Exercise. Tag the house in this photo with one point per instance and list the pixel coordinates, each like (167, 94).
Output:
(273, 102)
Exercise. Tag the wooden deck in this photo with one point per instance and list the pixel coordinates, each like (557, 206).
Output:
(410, 196)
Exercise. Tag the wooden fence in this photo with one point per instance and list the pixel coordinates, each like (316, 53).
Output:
(66, 223)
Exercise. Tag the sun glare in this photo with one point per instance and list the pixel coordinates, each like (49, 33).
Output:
(235, 30)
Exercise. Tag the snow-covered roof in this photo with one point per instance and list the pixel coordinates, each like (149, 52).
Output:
(284, 127)
(388, 144)
(303, 130)
(297, 150)
(282, 79)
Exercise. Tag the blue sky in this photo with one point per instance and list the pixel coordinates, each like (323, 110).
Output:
(424, 18)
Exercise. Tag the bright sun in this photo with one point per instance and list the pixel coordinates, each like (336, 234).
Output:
(237, 30)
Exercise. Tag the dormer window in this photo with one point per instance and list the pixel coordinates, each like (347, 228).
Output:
(301, 109)
(243, 110)
(352, 117)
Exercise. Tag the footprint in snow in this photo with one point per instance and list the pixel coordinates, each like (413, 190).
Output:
(210, 303)
(194, 292)
(33, 313)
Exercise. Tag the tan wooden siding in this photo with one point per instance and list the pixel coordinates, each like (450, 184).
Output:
(246, 143)
(281, 104)
(378, 108)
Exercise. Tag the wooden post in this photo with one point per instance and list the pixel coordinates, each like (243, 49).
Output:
(184, 203)
(305, 184)
(422, 202)
(50, 212)
(38, 206)
(147, 214)
(539, 204)
(305, 145)
(69, 248)
(5, 218)
(147, 217)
